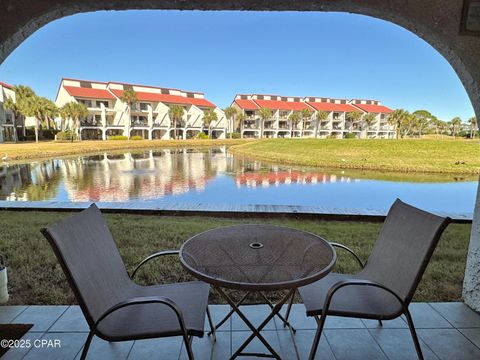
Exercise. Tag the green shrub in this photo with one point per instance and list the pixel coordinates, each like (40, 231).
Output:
(117, 137)
(136, 137)
(234, 135)
(48, 134)
(202, 135)
(66, 135)
(331, 136)
(350, 136)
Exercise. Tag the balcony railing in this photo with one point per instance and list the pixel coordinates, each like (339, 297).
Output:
(91, 123)
(137, 123)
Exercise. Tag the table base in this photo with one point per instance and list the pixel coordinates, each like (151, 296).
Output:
(255, 331)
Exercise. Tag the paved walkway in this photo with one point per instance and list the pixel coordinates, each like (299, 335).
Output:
(226, 209)
(449, 331)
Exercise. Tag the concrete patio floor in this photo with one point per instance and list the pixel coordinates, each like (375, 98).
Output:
(447, 331)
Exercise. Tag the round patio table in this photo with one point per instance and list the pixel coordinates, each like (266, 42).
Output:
(257, 258)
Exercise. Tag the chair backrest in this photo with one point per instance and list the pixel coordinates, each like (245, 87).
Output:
(90, 260)
(403, 249)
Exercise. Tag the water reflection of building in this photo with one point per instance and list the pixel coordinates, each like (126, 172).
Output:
(147, 175)
(275, 178)
(30, 182)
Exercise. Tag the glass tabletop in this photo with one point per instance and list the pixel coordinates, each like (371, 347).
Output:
(257, 257)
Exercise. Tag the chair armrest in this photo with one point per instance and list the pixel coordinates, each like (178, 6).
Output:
(341, 246)
(356, 282)
(145, 300)
(153, 256)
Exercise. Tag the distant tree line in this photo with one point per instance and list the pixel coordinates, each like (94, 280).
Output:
(422, 122)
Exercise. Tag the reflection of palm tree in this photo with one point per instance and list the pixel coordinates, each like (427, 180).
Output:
(47, 186)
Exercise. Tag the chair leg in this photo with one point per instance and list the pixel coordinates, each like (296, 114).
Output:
(414, 334)
(318, 334)
(86, 346)
(212, 327)
(188, 346)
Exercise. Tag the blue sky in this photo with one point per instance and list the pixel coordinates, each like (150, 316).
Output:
(223, 53)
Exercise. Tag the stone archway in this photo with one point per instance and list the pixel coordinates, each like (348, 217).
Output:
(439, 22)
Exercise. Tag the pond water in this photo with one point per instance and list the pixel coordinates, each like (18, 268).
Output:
(213, 176)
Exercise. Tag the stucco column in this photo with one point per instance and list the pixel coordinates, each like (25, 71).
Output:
(471, 283)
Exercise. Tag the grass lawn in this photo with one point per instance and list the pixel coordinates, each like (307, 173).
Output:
(51, 149)
(35, 277)
(405, 155)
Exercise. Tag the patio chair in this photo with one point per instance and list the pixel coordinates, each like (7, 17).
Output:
(385, 286)
(116, 308)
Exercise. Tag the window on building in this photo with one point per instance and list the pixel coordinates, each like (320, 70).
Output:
(144, 106)
(244, 97)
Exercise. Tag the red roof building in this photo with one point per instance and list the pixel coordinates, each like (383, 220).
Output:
(149, 118)
(167, 98)
(374, 108)
(5, 85)
(89, 93)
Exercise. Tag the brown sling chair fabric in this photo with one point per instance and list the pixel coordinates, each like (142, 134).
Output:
(385, 286)
(116, 308)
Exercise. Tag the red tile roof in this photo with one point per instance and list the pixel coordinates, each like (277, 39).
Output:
(247, 104)
(282, 105)
(167, 98)
(374, 108)
(6, 85)
(326, 106)
(89, 92)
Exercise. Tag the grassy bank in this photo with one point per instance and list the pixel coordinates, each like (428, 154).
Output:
(405, 155)
(36, 151)
(36, 278)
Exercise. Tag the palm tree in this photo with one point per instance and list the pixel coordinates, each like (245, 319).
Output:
(176, 114)
(9, 104)
(321, 116)
(294, 119)
(306, 114)
(209, 117)
(79, 111)
(65, 113)
(455, 125)
(129, 97)
(32, 107)
(48, 111)
(353, 117)
(240, 118)
(265, 114)
(230, 113)
(399, 119)
(473, 126)
(23, 94)
(370, 119)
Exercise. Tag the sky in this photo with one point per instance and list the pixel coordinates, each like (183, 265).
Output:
(223, 53)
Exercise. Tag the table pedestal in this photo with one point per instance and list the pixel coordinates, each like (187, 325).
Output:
(256, 331)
